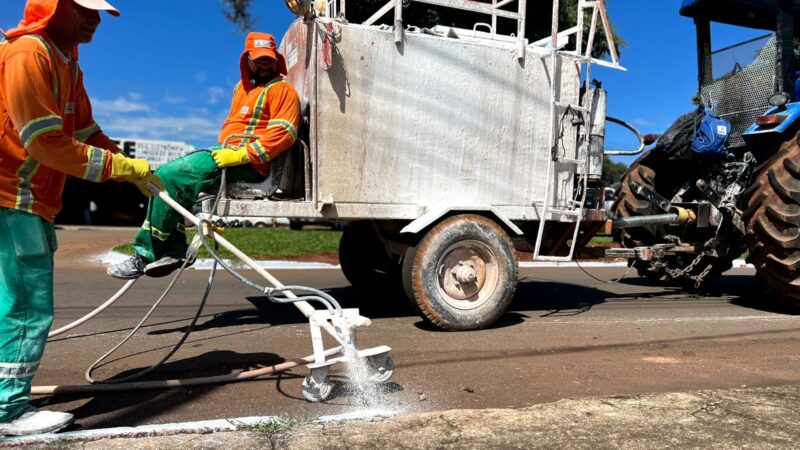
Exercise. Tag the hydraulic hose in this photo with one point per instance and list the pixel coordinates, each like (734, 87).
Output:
(97, 310)
(175, 348)
(329, 302)
(125, 384)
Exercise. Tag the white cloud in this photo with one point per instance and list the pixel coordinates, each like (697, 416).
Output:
(119, 106)
(177, 128)
(135, 96)
(201, 76)
(174, 100)
(200, 111)
(215, 94)
(644, 122)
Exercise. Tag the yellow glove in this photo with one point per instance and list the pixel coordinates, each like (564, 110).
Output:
(136, 171)
(228, 157)
(128, 169)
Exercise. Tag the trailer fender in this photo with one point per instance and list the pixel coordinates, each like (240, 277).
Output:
(435, 213)
(790, 112)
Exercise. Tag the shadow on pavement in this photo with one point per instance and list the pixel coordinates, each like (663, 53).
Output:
(138, 407)
(534, 297)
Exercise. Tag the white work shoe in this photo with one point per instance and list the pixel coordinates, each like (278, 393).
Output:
(33, 421)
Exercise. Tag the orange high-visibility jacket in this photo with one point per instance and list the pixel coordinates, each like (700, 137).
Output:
(270, 111)
(46, 127)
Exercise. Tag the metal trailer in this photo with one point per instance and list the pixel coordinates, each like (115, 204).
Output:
(446, 148)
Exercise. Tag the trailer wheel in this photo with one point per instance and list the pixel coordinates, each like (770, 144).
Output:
(463, 273)
(772, 220)
(363, 259)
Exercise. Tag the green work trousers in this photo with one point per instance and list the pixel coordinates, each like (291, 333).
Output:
(27, 244)
(163, 232)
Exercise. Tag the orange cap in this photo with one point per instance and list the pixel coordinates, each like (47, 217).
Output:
(259, 45)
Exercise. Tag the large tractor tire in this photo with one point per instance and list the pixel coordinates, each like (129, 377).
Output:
(462, 274)
(655, 172)
(629, 204)
(363, 258)
(772, 219)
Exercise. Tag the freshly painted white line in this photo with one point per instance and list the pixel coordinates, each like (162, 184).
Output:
(200, 427)
(206, 264)
(533, 264)
(769, 318)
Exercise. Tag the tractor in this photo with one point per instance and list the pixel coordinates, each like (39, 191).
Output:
(744, 197)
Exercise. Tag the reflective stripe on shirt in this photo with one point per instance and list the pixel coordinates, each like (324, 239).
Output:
(24, 188)
(285, 124)
(36, 127)
(256, 113)
(86, 133)
(56, 90)
(95, 165)
(263, 156)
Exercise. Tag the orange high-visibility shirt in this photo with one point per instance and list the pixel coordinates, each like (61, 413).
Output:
(271, 112)
(46, 127)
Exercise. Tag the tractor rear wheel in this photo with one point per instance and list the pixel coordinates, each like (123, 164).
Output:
(772, 219)
(363, 258)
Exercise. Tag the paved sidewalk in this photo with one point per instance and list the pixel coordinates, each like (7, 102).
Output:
(761, 418)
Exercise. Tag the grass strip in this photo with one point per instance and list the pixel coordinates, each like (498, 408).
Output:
(269, 243)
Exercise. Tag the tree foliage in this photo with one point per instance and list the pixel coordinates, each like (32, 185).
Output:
(612, 171)
(538, 18)
(239, 12)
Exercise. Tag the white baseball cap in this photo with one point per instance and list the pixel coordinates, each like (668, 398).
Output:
(98, 5)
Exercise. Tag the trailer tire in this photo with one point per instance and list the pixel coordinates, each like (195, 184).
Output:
(363, 259)
(772, 220)
(475, 249)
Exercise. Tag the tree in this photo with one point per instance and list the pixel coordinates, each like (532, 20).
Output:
(238, 12)
(612, 172)
(423, 15)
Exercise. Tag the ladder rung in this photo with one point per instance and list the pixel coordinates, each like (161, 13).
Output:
(570, 160)
(553, 258)
(575, 107)
(565, 212)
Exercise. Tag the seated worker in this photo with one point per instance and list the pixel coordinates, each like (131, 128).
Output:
(264, 104)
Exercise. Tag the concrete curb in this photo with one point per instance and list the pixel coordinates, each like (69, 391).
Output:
(171, 429)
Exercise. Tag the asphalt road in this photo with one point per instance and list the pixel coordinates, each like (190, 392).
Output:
(565, 336)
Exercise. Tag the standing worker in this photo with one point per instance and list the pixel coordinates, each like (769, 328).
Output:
(47, 133)
(264, 104)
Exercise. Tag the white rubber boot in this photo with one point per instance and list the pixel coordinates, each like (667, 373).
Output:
(33, 421)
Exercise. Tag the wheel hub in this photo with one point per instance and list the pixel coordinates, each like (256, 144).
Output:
(467, 274)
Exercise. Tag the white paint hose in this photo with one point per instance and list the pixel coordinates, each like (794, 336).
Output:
(97, 310)
(303, 306)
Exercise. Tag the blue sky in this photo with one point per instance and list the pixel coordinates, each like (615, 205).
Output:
(165, 69)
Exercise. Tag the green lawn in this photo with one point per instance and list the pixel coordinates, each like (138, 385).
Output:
(275, 243)
(270, 243)
(602, 240)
